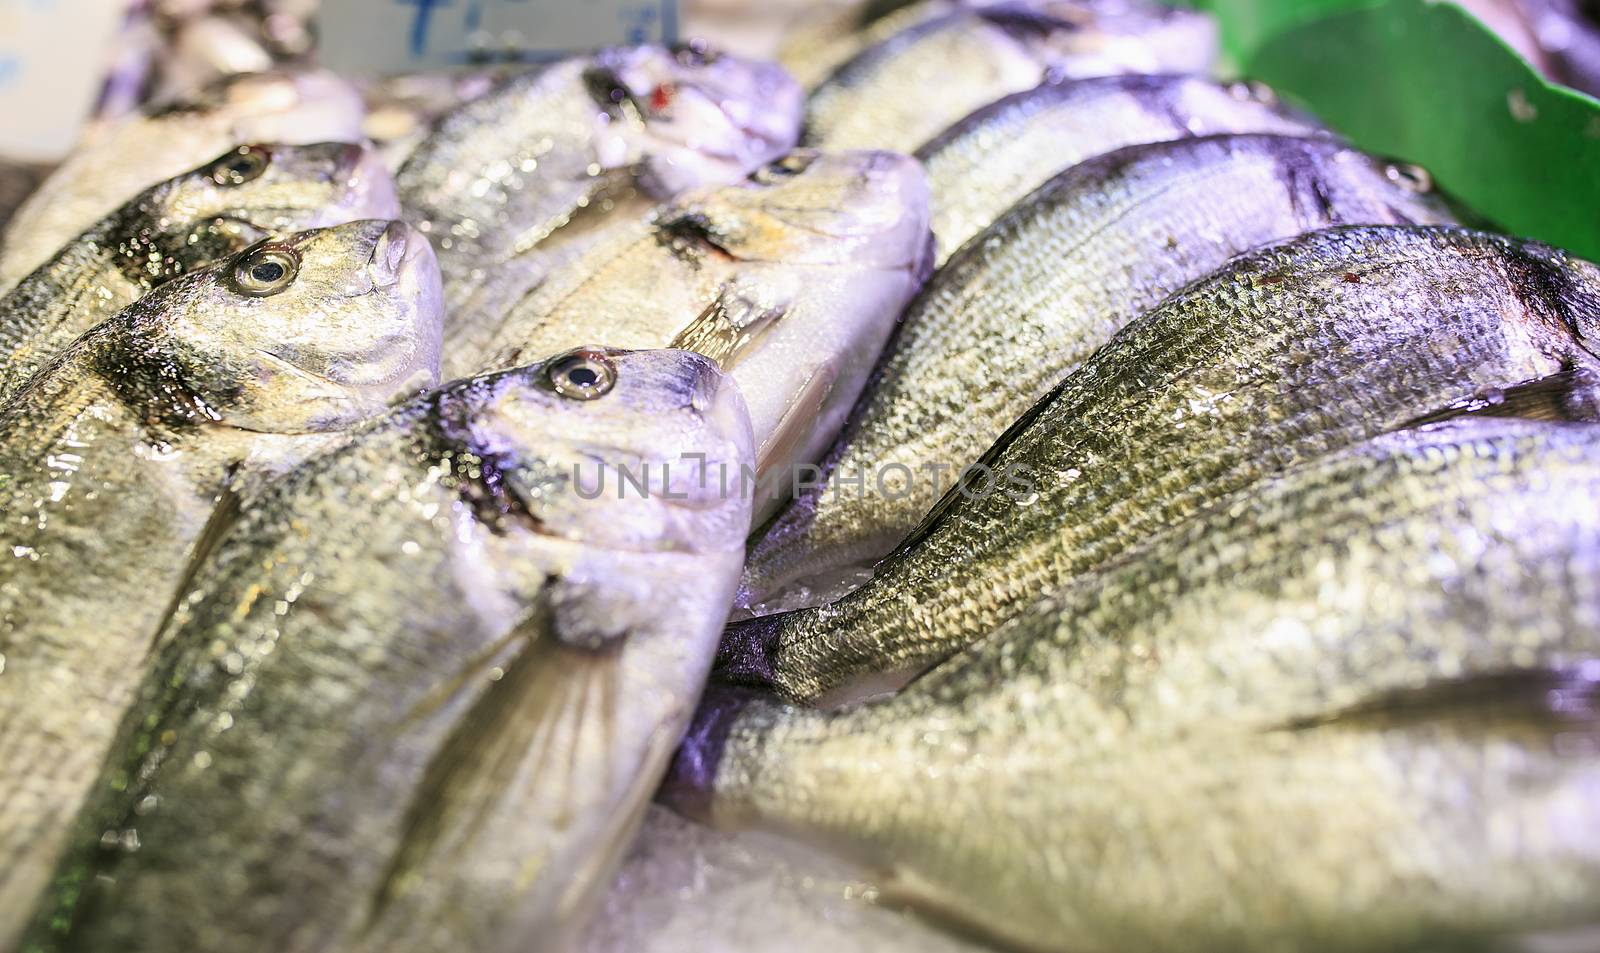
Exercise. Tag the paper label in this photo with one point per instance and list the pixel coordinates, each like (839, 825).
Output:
(393, 36)
(53, 56)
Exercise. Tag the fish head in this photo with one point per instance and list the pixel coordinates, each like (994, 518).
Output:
(637, 452)
(290, 106)
(864, 209)
(253, 191)
(311, 332)
(689, 114)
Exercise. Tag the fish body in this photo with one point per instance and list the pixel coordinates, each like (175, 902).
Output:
(510, 168)
(235, 200)
(1279, 357)
(989, 161)
(792, 280)
(115, 457)
(292, 108)
(1353, 708)
(1030, 299)
(420, 696)
(904, 91)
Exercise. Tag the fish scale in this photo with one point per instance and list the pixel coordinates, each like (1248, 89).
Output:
(1275, 359)
(114, 462)
(321, 764)
(1350, 708)
(1032, 297)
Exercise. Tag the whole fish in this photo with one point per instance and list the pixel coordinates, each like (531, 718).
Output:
(113, 461)
(1035, 295)
(792, 280)
(909, 88)
(506, 170)
(420, 697)
(1353, 709)
(102, 175)
(235, 200)
(989, 161)
(1280, 356)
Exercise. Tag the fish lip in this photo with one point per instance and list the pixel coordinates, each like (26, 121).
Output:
(369, 188)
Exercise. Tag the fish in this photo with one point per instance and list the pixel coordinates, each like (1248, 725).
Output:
(510, 168)
(233, 201)
(822, 41)
(293, 108)
(1282, 355)
(419, 698)
(1352, 708)
(1029, 299)
(133, 445)
(403, 109)
(904, 91)
(992, 159)
(792, 280)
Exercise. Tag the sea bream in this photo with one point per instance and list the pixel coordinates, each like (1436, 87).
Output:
(792, 280)
(235, 200)
(992, 159)
(113, 462)
(510, 168)
(904, 91)
(420, 696)
(1280, 356)
(292, 108)
(1031, 298)
(1353, 708)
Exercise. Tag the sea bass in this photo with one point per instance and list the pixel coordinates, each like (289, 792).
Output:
(112, 463)
(792, 280)
(1281, 356)
(420, 697)
(1352, 709)
(1031, 298)
(233, 201)
(987, 162)
(909, 88)
(506, 170)
(294, 108)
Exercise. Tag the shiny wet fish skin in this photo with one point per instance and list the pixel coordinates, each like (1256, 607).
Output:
(989, 161)
(1280, 356)
(905, 91)
(112, 465)
(1353, 708)
(419, 697)
(511, 167)
(792, 280)
(1031, 298)
(293, 108)
(235, 200)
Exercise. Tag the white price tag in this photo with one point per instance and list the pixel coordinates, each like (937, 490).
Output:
(53, 56)
(391, 36)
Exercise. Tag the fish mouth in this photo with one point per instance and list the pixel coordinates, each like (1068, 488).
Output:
(369, 188)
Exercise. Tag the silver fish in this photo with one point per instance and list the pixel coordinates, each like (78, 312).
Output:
(418, 699)
(112, 463)
(235, 200)
(507, 170)
(989, 161)
(1280, 356)
(1030, 299)
(125, 159)
(1354, 709)
(909, 88)
(792, 280)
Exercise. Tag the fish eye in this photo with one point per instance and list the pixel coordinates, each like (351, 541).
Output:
(606, 87)
(787, 167)
(240, 166)
(582, 375)
(266, 271)
(695, 53)
(1412, 178)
